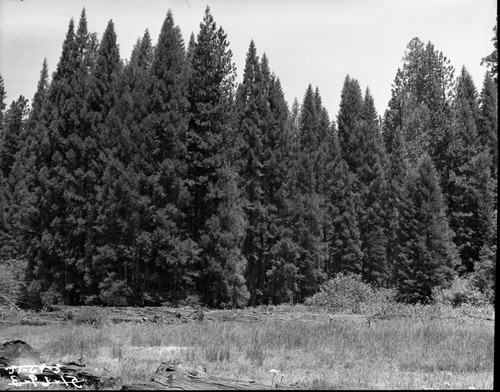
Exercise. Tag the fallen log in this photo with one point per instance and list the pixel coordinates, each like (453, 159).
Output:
(172, 375)
(24, 366)
(481, 317)
(154, 315)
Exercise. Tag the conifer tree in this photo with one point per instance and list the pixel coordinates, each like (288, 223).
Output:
(101, 100)
(420, 99)
(12, 141)
(307, 202)
(279, 268)
(168, 121)
(491, 60)
(209, 143)
(428, 255)
(397, 169)
(13, 135)
(3, 207)
(487, 126)
(221, 244)
(3, 94)
(251, 103)
(58, 249)
(45, 265)
(294, 124)
(350, 112)
(373, 186)
(39, 97)
(125, 213)
(362, 147)
(342, 233)
(457, 170)
(169, 103)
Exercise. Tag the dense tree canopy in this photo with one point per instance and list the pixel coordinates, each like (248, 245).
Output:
(160, 180)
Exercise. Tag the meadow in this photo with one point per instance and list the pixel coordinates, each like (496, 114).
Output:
(414, 347)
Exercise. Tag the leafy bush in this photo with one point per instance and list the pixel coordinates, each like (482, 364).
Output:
(347, 293)
(462, 291)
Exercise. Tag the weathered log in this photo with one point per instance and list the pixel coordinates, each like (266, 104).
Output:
(159, 315)
(172, 375)
(17, 352)
(24, 366)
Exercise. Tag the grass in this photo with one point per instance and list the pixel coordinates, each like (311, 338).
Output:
(411, 352)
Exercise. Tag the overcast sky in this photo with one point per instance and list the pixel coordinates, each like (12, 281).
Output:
(314, 42)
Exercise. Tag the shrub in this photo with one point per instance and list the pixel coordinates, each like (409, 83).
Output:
(462, 291)
(347, 293)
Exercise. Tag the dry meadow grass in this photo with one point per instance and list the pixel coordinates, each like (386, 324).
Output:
(398, 353)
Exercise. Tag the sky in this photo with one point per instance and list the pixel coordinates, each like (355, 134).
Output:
(315, 42)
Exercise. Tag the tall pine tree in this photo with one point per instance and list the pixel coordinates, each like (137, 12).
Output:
(428, 255)
(209, 144)
(251, 103)
(373, 186)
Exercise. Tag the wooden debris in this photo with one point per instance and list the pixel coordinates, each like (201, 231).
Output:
(98, 316)
(23, 365)
(481, 317)
(9, 302)
(172, 375)
(17, 352)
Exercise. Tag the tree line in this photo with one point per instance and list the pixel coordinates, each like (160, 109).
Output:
(159, 179)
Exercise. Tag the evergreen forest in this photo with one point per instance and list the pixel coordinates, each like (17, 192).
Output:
(161, 180)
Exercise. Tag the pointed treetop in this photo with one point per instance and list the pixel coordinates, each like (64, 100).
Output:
(465, 88)
(349, 115)
(169, 52)
(252, 52)
(208, 20)
(309, 119)
(43, 84)
(351, 101)
(44, 76)
(145, 53)
(65, 64)
(2, 94)
(317, 97)
(108, 57)
(211, 61)
(82, 25)
(264, 67)
(191, 47)
(192, 40)
(369, 112)
(265, 60)
(252, 67)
